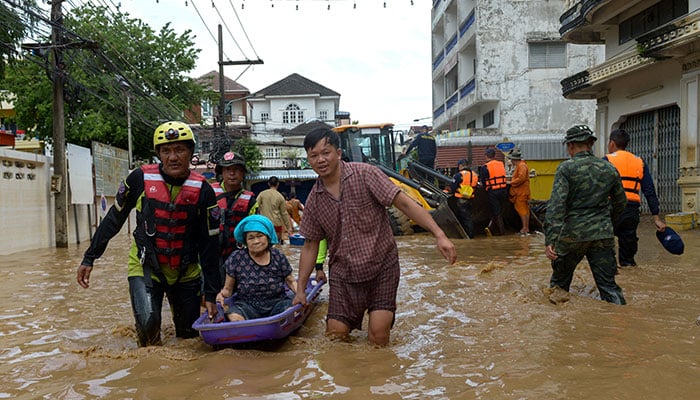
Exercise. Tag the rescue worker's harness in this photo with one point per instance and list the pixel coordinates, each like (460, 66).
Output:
(231, 215)
(161, 233)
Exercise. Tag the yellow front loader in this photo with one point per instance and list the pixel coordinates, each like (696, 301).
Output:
(376, 144)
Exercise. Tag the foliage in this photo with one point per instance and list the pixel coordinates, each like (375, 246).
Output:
(31, 95)
(112, 56)
(250, 151)
(11, 34)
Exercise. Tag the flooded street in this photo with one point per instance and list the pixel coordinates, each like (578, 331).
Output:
(481, 329)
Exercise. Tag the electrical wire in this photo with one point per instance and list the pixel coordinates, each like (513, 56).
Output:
(223, 21)
(207, 27)
(244, 31)
(90, 69)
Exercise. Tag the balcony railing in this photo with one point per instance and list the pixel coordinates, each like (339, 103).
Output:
(436, 62)
(467, 88)
(606, 71)
(451, 43)
(452, 100)
(575, 16)
(468, 22)
(667, 41)
(676, 33)
(438, 111)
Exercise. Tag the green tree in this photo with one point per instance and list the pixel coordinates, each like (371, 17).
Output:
(11, 34)
(250, 151)
(107, 57)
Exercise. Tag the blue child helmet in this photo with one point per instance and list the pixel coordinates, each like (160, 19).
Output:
(255, 223)
(671, 241)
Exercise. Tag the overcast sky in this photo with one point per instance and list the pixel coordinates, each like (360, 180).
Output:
(377, 58)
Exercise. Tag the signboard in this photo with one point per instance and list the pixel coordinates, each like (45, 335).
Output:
(111, 167)
(80, 174)
(505, 146)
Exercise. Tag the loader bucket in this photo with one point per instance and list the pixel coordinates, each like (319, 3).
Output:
(448, 222)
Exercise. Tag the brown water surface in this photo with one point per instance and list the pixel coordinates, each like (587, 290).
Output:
(481, 329)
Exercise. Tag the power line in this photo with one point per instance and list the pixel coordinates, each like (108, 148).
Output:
(223, 21)
(244, 31)
(90, 69)
(207, 26)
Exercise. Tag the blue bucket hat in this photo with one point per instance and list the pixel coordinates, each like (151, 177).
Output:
(255, 223)
(671, 241)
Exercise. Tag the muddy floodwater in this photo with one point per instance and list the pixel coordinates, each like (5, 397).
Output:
(481, 329)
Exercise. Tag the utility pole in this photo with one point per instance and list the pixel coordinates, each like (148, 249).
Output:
(221, 128)
(59, 137)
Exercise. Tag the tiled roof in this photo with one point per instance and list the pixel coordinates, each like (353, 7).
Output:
(211, 81)
(295, 84)
(306, 127)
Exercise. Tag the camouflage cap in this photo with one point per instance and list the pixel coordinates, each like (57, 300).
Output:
(579, 133)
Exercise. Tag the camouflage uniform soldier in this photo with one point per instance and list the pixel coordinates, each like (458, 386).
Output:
(586, 197)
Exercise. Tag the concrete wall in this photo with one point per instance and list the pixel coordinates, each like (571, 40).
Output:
(27, 207)
(25, 201)
(524, 100)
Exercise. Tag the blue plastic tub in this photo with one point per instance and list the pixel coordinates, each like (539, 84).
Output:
(296, 240)
(252, 330)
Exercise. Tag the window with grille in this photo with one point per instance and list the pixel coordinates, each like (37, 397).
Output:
(547, 54)
(264, 116)
(292, 115)
(272, 152)
(323, 115)
(489, 119)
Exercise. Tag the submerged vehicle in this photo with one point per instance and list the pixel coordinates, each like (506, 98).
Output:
(376, 144)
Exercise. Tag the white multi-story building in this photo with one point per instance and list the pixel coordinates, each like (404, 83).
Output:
(497, 67)
(284, 105)
(648, 84)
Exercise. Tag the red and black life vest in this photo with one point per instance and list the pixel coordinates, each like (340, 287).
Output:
(631, 169)
(167, 220)
(497, 175)
(231, 216)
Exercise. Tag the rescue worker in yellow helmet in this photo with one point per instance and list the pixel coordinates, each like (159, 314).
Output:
(635, 177)
(175, 242)
(464, 186)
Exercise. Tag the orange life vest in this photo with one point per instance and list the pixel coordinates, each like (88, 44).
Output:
(167, 220)
(231, 216)
(469, 180)
(631, 169)
(497, 175)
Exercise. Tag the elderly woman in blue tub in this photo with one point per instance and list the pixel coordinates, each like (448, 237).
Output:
(256, 274)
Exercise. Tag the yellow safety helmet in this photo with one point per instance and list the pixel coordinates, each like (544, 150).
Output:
(172, 131)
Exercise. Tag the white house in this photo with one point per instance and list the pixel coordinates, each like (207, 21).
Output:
(279, 108)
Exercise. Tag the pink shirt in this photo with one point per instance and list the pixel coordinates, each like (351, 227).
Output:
(360, 240)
